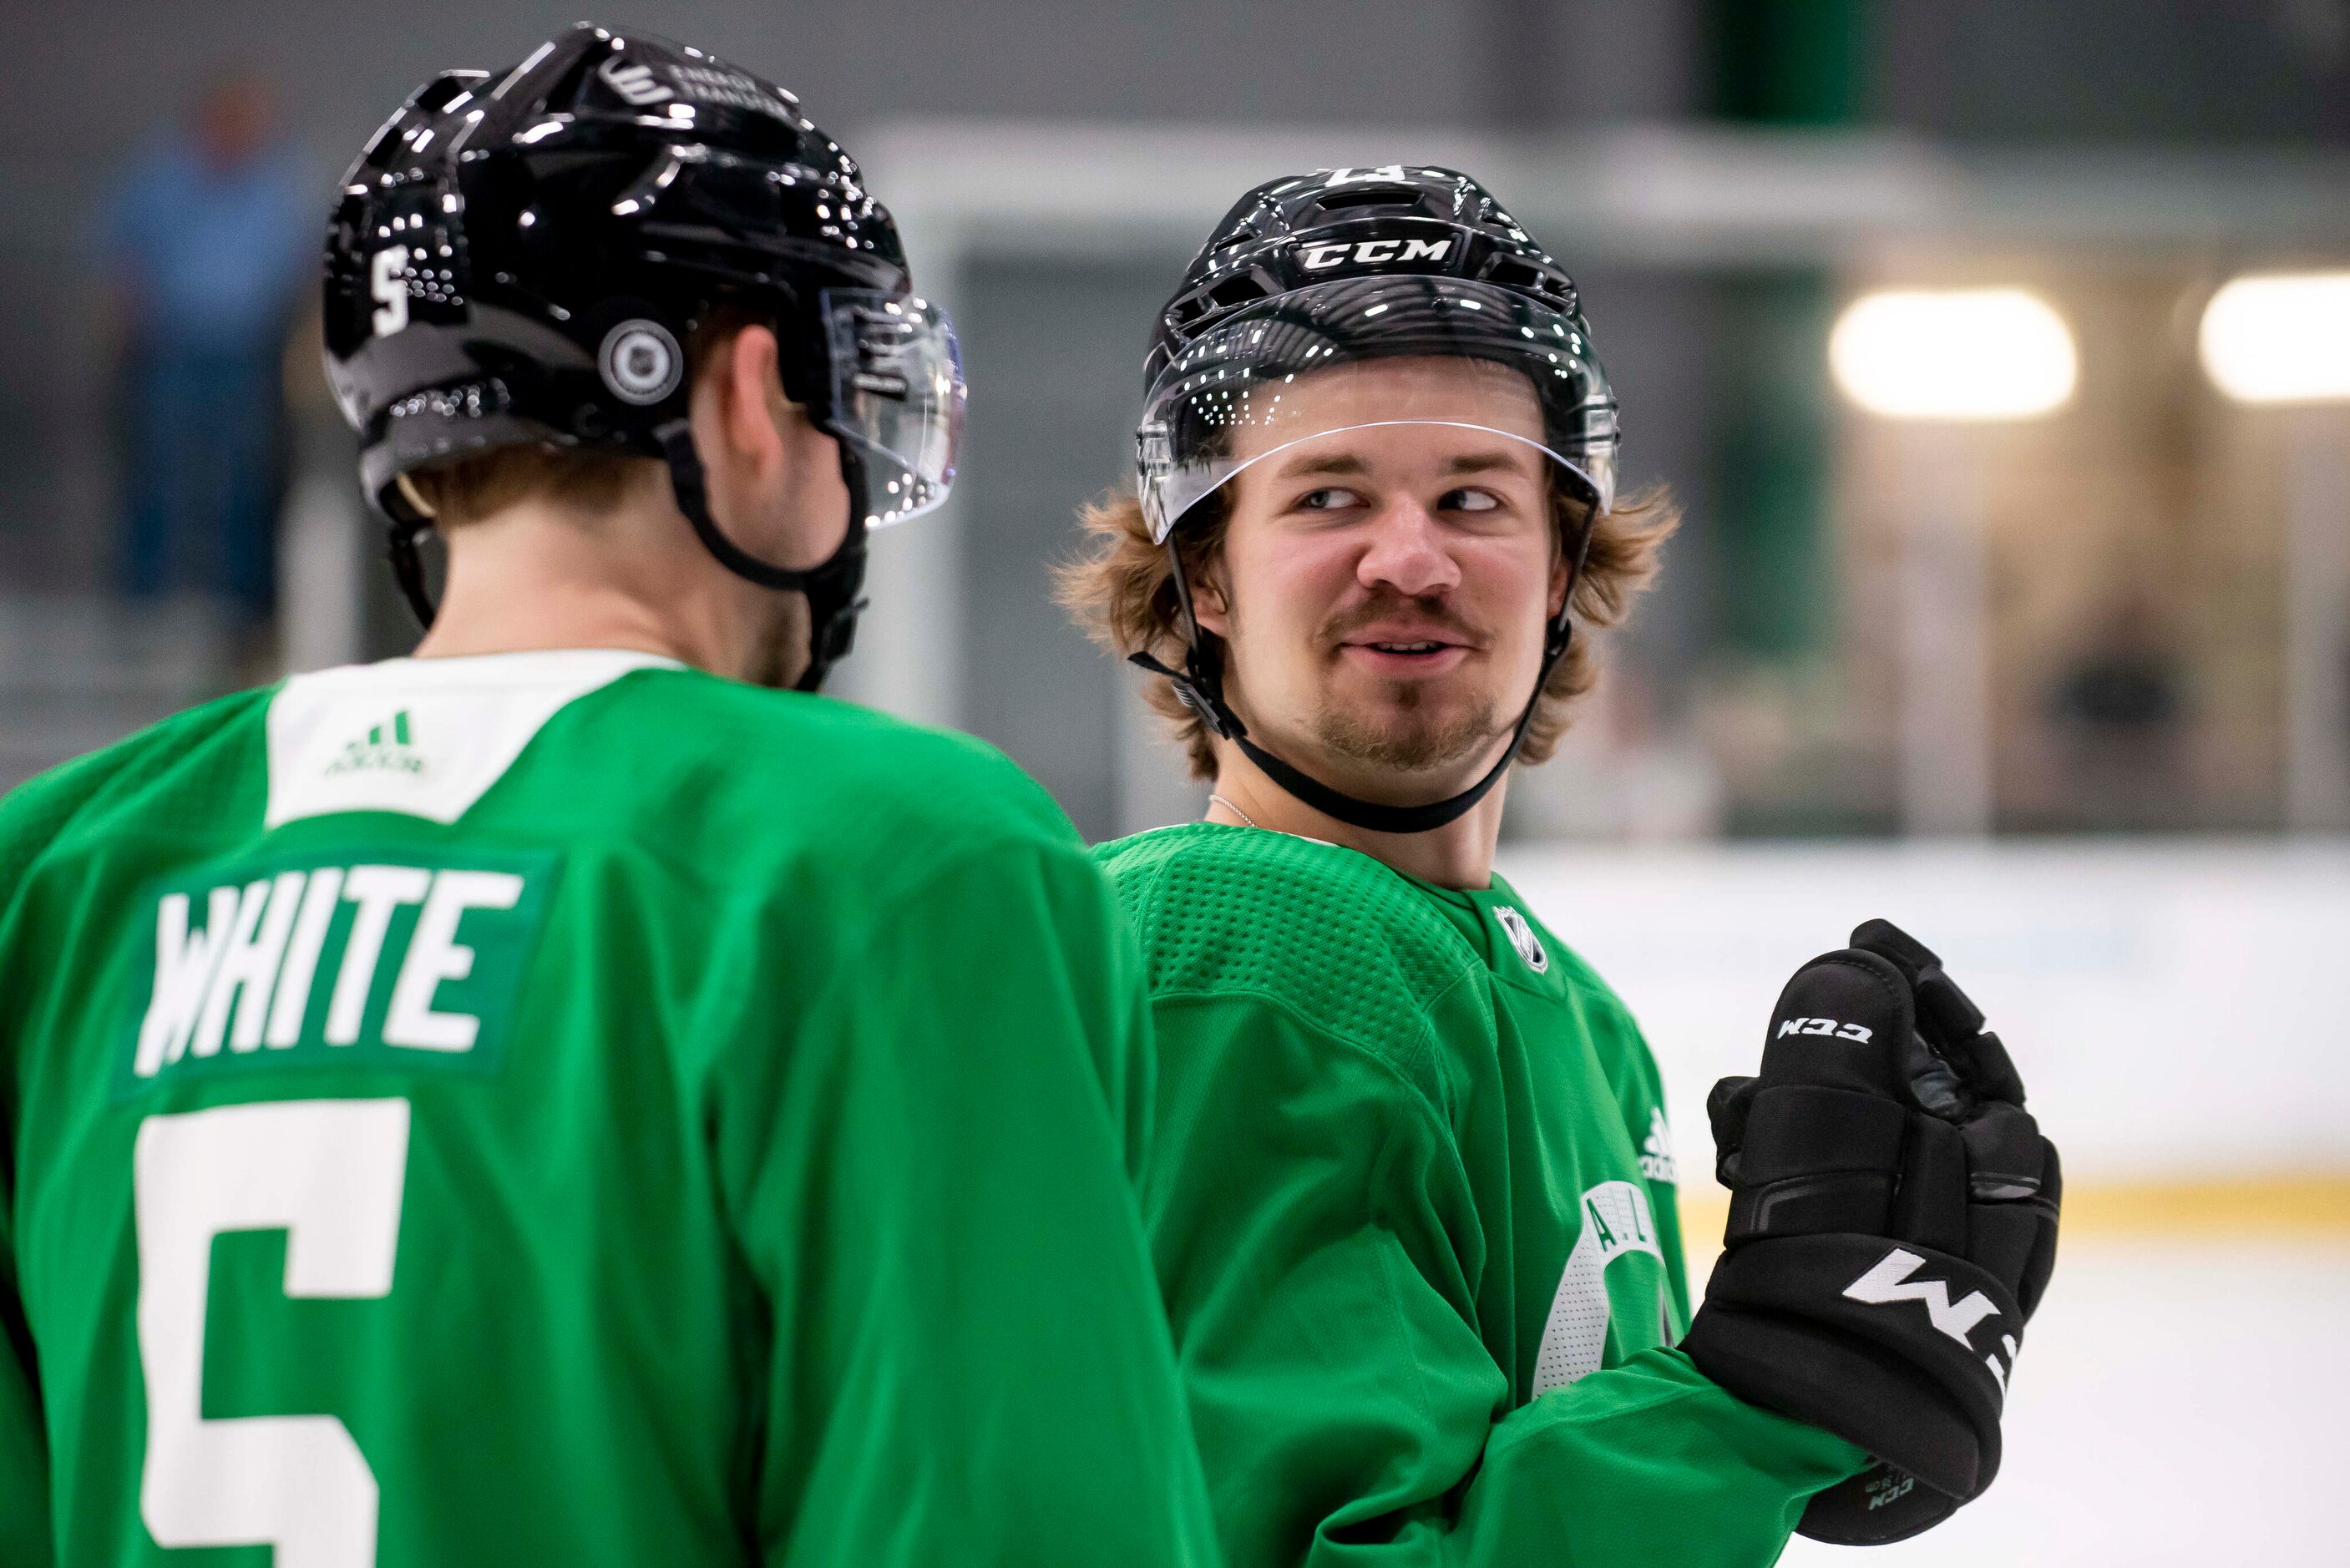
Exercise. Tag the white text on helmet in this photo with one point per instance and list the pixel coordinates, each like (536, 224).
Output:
(634, 82)
(1331, 254)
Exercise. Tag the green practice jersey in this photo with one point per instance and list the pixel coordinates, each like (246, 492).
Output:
(565, 1108)
(1412, 1203)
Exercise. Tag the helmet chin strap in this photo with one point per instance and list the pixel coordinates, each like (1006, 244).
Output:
(1200, 684)
(404, 545)
(830, 588)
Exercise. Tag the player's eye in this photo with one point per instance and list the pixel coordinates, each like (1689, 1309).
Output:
(1329, 498)
(1468, 500)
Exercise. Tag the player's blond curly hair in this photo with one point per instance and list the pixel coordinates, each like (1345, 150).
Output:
(1121, 590)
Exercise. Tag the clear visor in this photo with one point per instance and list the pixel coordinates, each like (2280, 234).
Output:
(1441, 366)
(896, 395)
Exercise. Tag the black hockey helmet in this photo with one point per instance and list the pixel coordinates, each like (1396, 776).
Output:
(523, 258)
(1319, 275)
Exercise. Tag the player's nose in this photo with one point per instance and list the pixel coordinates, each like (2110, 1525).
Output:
(1405, 551)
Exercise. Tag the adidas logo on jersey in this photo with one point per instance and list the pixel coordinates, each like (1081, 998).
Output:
(1657, 1150)
(389, 747)
(1522, 937)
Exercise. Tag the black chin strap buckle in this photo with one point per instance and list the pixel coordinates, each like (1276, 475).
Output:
(403, 543)
(1196, 693)
(832, 636)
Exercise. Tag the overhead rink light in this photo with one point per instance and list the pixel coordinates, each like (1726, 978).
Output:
(2279, 337)
(1959, 354)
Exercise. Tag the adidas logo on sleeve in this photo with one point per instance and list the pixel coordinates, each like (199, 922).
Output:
(1657, 1149)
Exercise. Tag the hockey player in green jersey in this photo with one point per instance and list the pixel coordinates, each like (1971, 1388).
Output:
(557, 1099)
(1412, 1199)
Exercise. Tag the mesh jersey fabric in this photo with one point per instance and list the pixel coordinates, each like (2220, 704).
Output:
(756, 1035)
(1412, 1202)
(1308, 927)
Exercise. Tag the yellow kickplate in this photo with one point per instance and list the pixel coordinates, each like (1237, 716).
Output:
(2304, 1206)
(2317, 1206)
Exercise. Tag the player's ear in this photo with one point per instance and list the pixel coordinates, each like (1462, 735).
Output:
(1208, 602)
(743, 391)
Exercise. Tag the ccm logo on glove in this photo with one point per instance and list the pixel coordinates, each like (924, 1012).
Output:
(1826, 1026)
(1890, 1281)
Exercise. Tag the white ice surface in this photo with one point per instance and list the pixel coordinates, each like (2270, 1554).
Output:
(2178, 1405)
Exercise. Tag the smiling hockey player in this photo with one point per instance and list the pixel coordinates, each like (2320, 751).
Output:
(545, 1101)
(1413, 1194)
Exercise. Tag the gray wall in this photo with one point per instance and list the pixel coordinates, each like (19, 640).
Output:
(1055, 355)
(87, 82)
(1054, 346)
(2186, 71)
(91, 81)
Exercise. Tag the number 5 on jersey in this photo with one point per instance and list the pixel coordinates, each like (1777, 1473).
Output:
(329, 1173)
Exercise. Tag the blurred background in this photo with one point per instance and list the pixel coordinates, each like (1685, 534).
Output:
(1999, 351)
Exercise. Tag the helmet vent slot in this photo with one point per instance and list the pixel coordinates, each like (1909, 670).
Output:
(1512, 272)
(1237, 290)
(1353, 196)
(1191, 308)
(1242, 289)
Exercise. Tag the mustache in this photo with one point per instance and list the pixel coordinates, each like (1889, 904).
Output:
(1370, 612)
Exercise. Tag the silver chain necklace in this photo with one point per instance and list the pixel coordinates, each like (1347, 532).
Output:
(1236, 811)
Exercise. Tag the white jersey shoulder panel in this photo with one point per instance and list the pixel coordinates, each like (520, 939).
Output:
(426, 737)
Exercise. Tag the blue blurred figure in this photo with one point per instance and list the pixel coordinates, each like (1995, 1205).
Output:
(206, 241)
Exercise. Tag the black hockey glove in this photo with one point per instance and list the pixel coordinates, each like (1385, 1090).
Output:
(1892, 1225)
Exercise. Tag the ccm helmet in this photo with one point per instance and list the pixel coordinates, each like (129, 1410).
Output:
(523, 258)
(1321, 275)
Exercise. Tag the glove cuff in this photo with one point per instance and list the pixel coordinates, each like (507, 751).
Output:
(1829, 1380)
(1879, 1506)
(1897, 1348)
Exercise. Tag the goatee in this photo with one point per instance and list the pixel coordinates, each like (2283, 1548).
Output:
(1407, 741)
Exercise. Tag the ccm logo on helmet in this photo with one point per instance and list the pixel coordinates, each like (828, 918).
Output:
(1332, 252)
